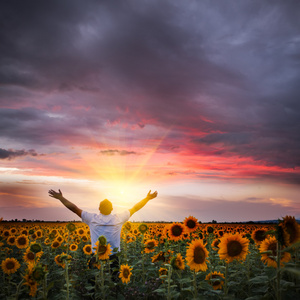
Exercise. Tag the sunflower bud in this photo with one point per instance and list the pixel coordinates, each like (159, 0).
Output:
(102, 240)
(35, 248)
(38, 273)
(71, 227)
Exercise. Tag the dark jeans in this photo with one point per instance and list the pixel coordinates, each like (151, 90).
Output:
(114, 266)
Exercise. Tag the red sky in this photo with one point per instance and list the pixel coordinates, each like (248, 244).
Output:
(197, 101)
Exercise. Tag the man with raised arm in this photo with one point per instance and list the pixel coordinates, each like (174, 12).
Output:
(105, 223)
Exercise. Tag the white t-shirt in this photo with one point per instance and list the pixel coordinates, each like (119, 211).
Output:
(108, 225)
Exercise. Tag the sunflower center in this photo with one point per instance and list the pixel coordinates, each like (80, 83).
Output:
(210, 229)
(22, 241)
(10, 265)
(178, 262)
(177, 230)
(260, 235)
(191, 224)
(199, 255)
(55, 244)
(150, 245)
(30, 256)
(88, 249)
(291, 231)
(101, 249)
(234, 248)
(126, 273)
(273, 247)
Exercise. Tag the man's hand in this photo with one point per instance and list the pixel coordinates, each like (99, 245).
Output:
(151, 196)
(57, 195)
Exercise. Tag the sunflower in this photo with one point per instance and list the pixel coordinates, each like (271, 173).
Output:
(176, 231)
(129, 238)
(39, 234)
(30, 282)
(163, 272)
(196, 256)
(73, 247)
(13, 230)
(143, 228)
(190, 224)
(291, 230)
(177, 262)
(103, 251)
(87, 249)
(162, 256)
(127, 226)
(233, 246)
(268, 250)
(10, 265)
(55, 244)
(11, 240)
(216, 279)
(22, 241)
(215, 244)
(259, 235)
(47, 241)
(24, 231)
(150, 245)
(6, 233)
(61, 259)
(84, 238)
(81, 232)
(125, 273)
(31, 257)
(59, 239)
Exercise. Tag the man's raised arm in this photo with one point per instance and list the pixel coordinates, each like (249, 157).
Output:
(142, 203)
(71, 206)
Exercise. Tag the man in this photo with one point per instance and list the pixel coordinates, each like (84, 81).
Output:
(105, 223)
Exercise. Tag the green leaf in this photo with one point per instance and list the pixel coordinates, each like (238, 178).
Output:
(293, 271)
(254, 298)
(259, 279)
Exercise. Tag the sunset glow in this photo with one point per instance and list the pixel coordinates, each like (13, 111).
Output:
(194, 100)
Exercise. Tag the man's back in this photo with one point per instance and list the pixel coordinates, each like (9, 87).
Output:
(108, 225)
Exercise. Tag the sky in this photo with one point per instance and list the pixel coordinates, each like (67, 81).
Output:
(197, 100)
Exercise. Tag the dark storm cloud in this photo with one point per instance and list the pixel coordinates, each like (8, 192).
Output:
(11, 154)
(230, 70)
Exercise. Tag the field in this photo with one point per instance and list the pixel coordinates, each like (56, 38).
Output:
(183, 260)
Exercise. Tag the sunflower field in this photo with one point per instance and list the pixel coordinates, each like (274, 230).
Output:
(180, 260)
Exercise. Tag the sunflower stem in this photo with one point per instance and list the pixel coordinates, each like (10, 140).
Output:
(102, 280)
(195, 286)
(278, 291)
(169, 283)
(226, 280)
(45, 287)
(18, 289)
(67, 278)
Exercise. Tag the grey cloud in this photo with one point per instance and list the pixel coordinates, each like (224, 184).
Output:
(12, 154)
(111, 152)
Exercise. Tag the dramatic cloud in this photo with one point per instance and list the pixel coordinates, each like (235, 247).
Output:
(197, 89)
(11, 154)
